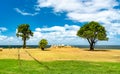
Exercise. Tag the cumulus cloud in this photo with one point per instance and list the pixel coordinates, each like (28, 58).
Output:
(5, 40)
(2, 37)
(8, 40)
(25, 13)
(102, 11)
(57, 34)
(2, 29)
(87, 6)
(102, 16)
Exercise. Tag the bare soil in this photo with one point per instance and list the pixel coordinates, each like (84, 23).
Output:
(69, 53)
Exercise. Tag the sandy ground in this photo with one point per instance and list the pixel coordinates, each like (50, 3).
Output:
(52, 54)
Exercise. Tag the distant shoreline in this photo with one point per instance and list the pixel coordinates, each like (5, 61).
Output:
(78, 46)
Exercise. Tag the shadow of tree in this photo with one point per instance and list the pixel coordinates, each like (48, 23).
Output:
(104, 50)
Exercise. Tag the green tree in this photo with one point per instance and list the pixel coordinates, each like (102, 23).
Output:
(24, 32)
(93, 32)
(43, 43)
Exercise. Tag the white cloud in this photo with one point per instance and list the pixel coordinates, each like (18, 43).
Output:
(38, 29)
(25, 13)
(60, 5)
(8, 40)
(85, 10)
(102, 16)
(56, 35)
(76, 10)
(2, 37)
(102, 11)
(2, 29)
(77, 5)
(5, 40)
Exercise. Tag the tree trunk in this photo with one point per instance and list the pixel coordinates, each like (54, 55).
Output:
(42, 48)
(92, 47)
(24, 43)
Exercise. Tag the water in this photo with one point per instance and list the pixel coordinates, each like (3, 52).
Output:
(99, 46)
(79, 46)
(20, 46)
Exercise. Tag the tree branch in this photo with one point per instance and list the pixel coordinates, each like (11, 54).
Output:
(88, 40)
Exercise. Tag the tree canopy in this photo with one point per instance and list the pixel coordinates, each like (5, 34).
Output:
(93, 32)
(24, 32)
(43, 43)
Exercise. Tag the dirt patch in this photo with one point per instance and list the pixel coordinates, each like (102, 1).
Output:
(52, 54)
(0, 49)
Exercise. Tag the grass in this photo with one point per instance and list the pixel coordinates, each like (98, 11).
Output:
(60, 61)
(8, 66)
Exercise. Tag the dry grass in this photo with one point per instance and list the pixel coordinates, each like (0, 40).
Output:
(52, 54)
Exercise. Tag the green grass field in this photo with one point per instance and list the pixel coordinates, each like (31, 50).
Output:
(58, 67)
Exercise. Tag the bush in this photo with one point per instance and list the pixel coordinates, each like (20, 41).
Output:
(43, 43)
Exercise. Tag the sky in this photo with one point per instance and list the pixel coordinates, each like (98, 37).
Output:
(58, 20)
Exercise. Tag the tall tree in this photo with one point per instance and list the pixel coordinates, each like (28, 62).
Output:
(24, 32)
(93, 32)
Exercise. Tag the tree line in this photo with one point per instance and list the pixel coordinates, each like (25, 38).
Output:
(91, 31)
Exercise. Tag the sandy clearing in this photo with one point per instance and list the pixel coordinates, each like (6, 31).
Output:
(52, 54)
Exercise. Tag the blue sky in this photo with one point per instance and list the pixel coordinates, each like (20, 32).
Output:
(58, 20)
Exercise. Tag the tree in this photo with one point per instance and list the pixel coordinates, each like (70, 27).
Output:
(93, 32)
(43, 43)
(24, 32)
